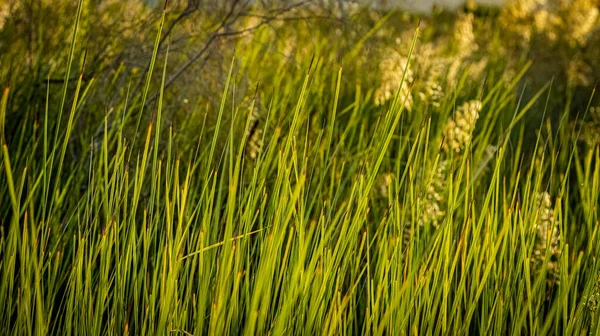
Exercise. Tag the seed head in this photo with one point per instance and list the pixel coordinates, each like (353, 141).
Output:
(547, 239)
(392, 70)
(434, 200)
(458, 132)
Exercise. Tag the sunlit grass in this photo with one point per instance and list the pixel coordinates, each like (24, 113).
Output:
(160, 233)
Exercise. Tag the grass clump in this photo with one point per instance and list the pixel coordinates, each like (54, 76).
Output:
(308, 205)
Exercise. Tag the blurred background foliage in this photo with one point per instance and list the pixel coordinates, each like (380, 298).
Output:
(457, 52)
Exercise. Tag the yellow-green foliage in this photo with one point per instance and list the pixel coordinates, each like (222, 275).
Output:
(336, 170)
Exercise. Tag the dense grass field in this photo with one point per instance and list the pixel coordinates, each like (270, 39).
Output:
(424, 185)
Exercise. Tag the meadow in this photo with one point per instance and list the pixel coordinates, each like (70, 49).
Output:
(299, 169)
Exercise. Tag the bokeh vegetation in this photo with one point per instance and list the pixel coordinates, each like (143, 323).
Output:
(283, 167)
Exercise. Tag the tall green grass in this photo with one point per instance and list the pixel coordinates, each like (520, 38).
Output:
(161, 234)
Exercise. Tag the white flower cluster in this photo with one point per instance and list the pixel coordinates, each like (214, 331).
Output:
(458, 132)
(464, 35)
(255, 144)
(432, 204)
(547, 237)
(392, 71)
(434, 197)
(432, 91)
